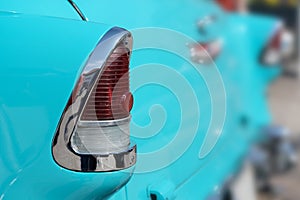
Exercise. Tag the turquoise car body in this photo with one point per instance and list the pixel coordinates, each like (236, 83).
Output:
(44, 46)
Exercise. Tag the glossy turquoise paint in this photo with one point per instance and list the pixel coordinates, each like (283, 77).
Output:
(31, 106)
(247, 35)
(40, 64)
(176, 15)
(53, 8)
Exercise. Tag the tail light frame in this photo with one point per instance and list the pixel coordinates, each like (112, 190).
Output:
(62, 151)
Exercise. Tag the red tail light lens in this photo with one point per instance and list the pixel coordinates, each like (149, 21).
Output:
(111, 98)
(275, 43)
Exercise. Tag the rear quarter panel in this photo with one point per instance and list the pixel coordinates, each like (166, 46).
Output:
(41, 58)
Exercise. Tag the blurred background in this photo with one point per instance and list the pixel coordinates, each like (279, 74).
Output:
(284, 95)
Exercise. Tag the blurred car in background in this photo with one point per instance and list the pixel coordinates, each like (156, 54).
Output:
(287, 11)
(198, 75)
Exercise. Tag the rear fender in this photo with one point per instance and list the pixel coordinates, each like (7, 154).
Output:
(41, 59)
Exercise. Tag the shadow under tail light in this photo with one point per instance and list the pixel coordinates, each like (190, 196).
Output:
(93, 134)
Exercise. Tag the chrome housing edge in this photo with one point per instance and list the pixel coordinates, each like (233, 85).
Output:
(62, 151)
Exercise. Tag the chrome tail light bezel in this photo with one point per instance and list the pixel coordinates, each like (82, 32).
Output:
(62, 150)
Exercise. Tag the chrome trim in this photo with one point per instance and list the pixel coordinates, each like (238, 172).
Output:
(62, 151)
(73, 4)
(104, 123)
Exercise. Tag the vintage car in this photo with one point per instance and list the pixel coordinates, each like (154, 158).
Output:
(196, 92)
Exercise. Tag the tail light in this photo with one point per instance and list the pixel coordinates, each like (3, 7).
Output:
(272, 53)
(204, 53)
(229, 5)
(93, 134)
(110, 98)
(110, 101)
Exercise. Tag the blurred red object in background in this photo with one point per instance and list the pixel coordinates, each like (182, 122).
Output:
(229, 5)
